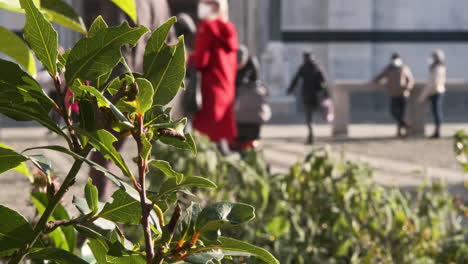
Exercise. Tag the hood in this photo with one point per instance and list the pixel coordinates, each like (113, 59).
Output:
(225, 33)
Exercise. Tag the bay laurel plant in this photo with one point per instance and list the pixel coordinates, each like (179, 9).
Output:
(326, 209)
(131, 105)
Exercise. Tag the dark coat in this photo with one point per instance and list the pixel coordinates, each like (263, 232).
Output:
(249, 74)
(313, 82)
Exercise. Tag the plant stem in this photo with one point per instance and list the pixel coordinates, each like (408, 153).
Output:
(145, 207)
(41, 226)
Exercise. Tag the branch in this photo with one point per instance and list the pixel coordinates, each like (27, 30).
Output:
(145, 207)
(41, 226)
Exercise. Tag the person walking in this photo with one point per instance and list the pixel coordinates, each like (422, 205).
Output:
(215, 56)
(251, 107)
(399, 82)
(434, 90)
(313, 90)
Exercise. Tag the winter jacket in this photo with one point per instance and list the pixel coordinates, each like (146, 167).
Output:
(215, 56)
(313, 85)
(399, 80)
(436, 81)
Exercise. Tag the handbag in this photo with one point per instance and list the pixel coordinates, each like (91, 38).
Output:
(192, 97)
(251, 104)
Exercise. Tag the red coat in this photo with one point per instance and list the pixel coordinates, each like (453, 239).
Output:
(215, 56)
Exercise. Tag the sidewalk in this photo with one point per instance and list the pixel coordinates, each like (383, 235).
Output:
(397, 162)
(402, 163)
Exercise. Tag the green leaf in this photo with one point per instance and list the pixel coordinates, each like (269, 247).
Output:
(171, 186)
(63, 237)
(10, 159)
(15, 231)
(92, 196)
(166, 168)
(218, 215)
(87, 116)
(126, 210)
(123, 209)
(11, 5)
(100, 53)
(112, 177)
(204, 258)
(234, 245)
(81, 204)
(98, 25)
(103, 141)
(144, 99)
(41, 36)
(58, 255)
(65, 21)
(164, 68)
(128, 6)
(61, 13)
(15, 48)
(187, 144)
(80, 90)
(22, 98)
(42, 163)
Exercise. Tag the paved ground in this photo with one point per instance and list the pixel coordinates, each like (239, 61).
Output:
(402, 163)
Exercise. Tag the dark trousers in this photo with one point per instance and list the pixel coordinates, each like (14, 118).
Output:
(309, 110)
(397, 109)
(437, 111)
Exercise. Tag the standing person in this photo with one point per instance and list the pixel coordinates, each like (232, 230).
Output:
(435, 88)
(399, 83)
(215, 56)
(313, 89)
(252, 109)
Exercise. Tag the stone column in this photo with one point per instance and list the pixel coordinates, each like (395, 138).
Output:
(342, 110)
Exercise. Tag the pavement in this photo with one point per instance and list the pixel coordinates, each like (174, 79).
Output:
(404, 163)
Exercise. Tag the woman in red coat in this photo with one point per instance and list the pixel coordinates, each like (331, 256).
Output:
(215, 56)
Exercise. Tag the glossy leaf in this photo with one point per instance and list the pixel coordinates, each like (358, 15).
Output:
(22, 98)
(81, 204)
(166, 168)
(15, 48)
(98, 24)
(42, 163)
(144, 99)
(12, 5)
(112, 177)
(129, 7)
(171, 186)
(92, 196)
(41, 36)
(65, 21)
(63, 237)
(126, 210)
(80, 90)
(123, 209)
(10, 159)
(15, 231)
(62, 13)
(58, 255)
(103, 141)
(100, 53)
(187, 144)
(164, 66)
(234, 245)
(218, 215)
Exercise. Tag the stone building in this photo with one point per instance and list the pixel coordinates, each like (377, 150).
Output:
(351, 39)
(354, 39)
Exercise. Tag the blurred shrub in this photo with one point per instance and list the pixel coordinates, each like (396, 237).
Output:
(328, 210)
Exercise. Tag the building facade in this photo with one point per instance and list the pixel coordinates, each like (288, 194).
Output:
(354, 39)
